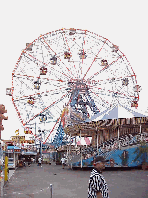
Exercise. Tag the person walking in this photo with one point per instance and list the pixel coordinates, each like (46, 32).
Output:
(63, 162)
(39, 162)
(97, 187)
(29, 161)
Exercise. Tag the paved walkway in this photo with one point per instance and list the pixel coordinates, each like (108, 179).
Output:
(34, 182)
(11, 172)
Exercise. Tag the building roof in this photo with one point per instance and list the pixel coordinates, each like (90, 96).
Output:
(45, 152)
(116, 112)
(29, 153)
(13, 147)
(10, 147)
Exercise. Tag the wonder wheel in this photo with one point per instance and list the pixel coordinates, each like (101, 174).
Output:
(71, 72)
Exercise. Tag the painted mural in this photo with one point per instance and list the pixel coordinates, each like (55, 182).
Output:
(130, 157)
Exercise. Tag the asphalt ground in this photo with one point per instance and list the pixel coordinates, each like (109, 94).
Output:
(34, 182)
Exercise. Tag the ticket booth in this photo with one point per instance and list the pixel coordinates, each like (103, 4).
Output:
(13, 152)
(17, 152)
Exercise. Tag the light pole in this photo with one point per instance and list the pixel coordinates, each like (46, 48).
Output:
(35, 133)
(41, 143)
(97, 140)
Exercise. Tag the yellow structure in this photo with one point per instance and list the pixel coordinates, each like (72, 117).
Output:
(6, 169)
(17, 132)
(16, 138)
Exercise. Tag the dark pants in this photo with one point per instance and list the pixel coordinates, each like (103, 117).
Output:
(63, 164)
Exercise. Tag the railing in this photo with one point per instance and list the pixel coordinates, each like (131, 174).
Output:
(74, 158)
(108, 150)
(50, 190)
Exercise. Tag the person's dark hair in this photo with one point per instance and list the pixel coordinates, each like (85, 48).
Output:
(100, 159)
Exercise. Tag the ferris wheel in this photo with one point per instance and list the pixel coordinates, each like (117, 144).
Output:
(75, 69)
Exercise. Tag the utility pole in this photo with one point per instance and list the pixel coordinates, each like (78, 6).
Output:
(41, 143)
(97, 140)
(41, 146)
(35, 138)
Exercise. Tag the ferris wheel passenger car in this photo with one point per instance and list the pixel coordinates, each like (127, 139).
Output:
(43, 71)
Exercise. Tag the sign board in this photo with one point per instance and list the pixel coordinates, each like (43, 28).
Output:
(17, 150)
(29, 141)
(16, 138)
(10, 150)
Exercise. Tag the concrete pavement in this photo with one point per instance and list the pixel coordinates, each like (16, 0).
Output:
(34, 182)
(11, 172)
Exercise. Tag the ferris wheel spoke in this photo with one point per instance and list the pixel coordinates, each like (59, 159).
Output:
(62, 73)
(47, 107)
(48, 79)
(75, 43)
(23, 76)
(23, 83)
(112, 93)
(94, 59)
(105, 92)
(106, 67)
(131, 69)
(59, 90)
(35, 59)
(125, 94)
(70, 50)
(117, 87)
(55, 91)
(99, 97)
(23, 71)
(66, 40)
(83, 49)
(114, 79)
(16, 108)
(52, 129)
(57, 120)
(58, 57)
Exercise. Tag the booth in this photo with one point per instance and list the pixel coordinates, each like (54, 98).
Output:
(46, 157)
(13, 153)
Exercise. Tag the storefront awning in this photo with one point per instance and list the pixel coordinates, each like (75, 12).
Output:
(28, 153)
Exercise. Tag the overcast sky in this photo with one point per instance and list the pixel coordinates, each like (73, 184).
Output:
(124, 23)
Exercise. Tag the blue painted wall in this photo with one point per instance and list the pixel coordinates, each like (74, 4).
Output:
(121, 158)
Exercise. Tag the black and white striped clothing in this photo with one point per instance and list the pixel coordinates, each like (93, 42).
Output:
(97, 183)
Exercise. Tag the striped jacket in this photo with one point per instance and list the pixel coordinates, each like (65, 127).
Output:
(97, 183)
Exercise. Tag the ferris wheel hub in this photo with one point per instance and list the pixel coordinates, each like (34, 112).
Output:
(78, 85)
